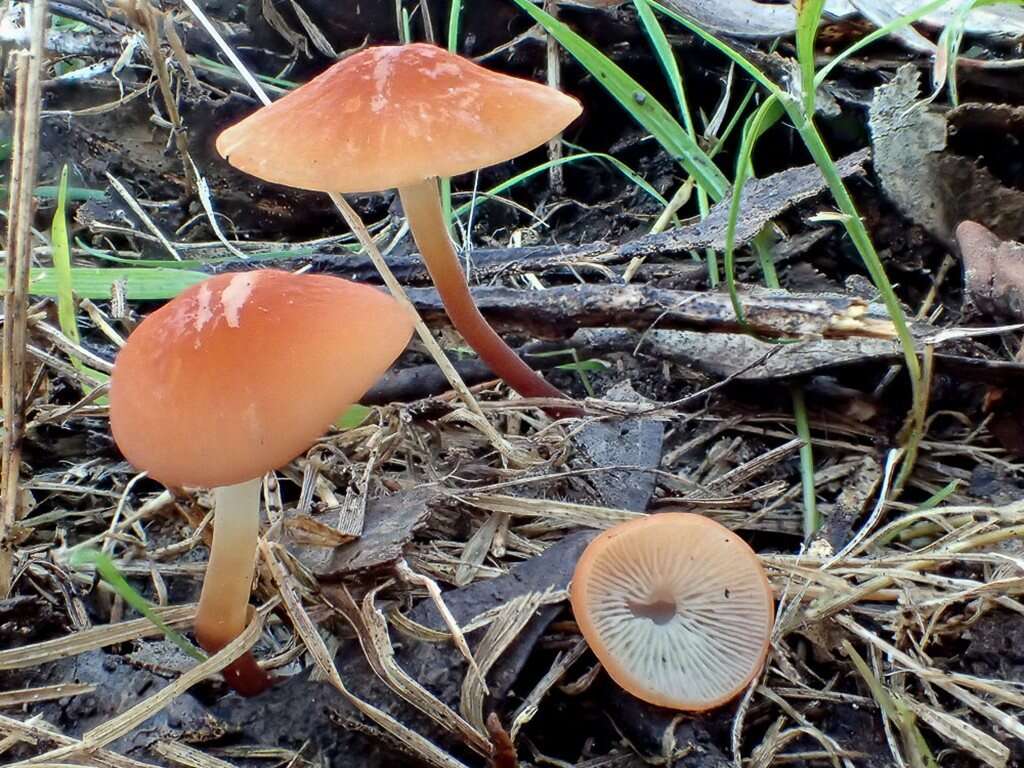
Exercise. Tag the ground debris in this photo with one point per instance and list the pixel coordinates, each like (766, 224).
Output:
(450, 605)
(120, 685)
(763, 200)
(920, 172)
(390, 523)
(628, 450)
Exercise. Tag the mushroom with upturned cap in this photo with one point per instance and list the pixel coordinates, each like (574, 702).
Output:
(400, 116)
(233, 378)
(676, 607)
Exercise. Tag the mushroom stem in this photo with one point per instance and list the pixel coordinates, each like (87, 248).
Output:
(224, 603)
(422, 205)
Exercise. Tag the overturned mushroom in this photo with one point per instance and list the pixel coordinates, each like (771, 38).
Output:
(233, 378)
(400, 116)
(676, 608)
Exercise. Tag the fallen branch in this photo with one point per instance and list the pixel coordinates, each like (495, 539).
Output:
(558, 312)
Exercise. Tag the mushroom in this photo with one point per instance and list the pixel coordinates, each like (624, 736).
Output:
(233, 378)
(400, 116)
(676, 608)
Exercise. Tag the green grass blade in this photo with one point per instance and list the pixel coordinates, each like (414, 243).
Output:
(406, 26)
(624, 169)
(140, 283)
(640, 104)
(812, 520)
(667, 59)
(62, 264)
(808, 19)
(735, 120)
(186, 264)
(454, 19)
(454, 16)
(763, 246)
(670, 66)
(861, 239)
(108, 572)
(939, 496)
(741, 61)
(764, 118)
(951, 40)
(75, 194)
(64, 282)
(353, 417)
(920, 755)
(883, 31)
(277, 84)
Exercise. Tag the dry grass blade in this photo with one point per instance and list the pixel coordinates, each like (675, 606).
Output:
(891, 463)
(182, 754)
(1007, 722)
(45, 693)
(428, 752)
(117, 727)
(457, 636)
(767, 753)
(25, 151)
(372, 630)
(531, 704)
(139, 211)
(549, 597)
(897, 714)
(410, 628)
(147, 19)
(968, 738)
(91, 639)
(510, 622)
(938, 558)
(120, 725)
(476, 550)
(35, 732)
(564, 512)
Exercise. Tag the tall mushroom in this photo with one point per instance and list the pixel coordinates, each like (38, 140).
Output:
(400, 116)
(676, 608)
(234, 377)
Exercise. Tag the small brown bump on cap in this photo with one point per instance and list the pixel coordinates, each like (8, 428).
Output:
(676, 608)
(242, 372)
(392, 116)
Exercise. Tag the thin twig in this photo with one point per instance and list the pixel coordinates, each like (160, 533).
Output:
(144, 17)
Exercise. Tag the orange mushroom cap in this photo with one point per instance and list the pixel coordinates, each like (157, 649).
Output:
(242, 372)
(676, 608)
(391, 116)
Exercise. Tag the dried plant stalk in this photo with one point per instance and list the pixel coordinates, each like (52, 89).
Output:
(25, 150)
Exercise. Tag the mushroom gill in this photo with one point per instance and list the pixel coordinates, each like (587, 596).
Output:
(676, 607)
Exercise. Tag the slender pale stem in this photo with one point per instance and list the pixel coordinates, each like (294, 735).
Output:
(422, 205)
(224, 603)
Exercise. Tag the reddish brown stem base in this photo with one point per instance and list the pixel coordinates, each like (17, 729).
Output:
(422, 206)
(224, 609)
(244, 675)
